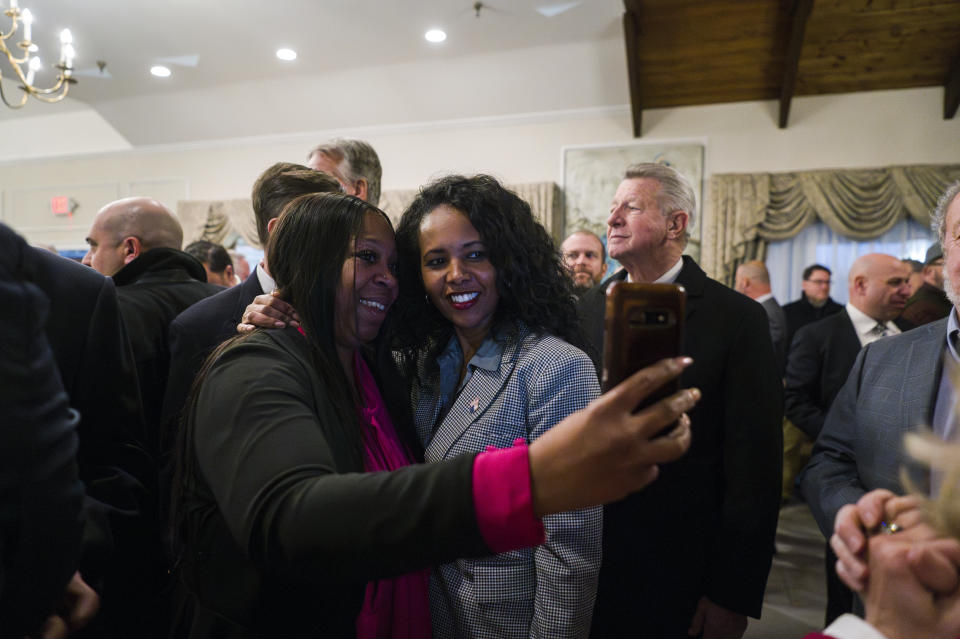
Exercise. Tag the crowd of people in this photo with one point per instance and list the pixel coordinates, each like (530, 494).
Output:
(400, 433)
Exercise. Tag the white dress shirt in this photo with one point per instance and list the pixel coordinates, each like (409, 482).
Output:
(852, 627)
(864, 325)
(267, 283)
(667, 278)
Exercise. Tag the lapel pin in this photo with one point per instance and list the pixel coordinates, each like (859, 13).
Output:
(475, 405)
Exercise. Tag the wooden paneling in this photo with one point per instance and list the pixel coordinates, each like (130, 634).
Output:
(688, 52)
(878, 49)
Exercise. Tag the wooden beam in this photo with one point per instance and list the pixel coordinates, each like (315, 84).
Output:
(631, 33)
(951, 91)
(791, 59)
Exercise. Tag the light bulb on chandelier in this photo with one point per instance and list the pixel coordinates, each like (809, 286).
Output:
(21, 54)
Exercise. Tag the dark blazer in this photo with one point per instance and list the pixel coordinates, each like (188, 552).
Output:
(820, 359)
(89, 342)
(891, 389)
(283, 530)
(778, 330)
(927, 304)
(801, 312)
(194, 334)
(40, 491)
(706, 525)
(153, 289)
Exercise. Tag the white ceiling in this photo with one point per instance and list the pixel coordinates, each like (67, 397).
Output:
(222, 55)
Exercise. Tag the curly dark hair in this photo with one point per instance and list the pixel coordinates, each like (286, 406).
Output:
(532, 282)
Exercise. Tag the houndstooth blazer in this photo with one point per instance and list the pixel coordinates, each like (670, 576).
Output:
(547, 591)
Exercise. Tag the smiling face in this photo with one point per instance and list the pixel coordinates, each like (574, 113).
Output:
(368, 284)
(458, 276)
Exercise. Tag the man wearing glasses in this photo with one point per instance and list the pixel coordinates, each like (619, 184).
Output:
(814, 303)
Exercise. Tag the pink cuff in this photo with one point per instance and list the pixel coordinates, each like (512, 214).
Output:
(503, 500)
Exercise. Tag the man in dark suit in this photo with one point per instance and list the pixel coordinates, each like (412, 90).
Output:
(693, 551)
(753, 280)
(815, 302)
(89, 342)
(199, 329)
(823, 352)
(895, 385)
(41, 496)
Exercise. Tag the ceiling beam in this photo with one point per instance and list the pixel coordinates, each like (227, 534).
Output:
(951, 91)
(631, 34)
(791, 59)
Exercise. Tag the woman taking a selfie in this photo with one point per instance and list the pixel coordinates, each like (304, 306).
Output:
(489, 333)
(295, 513)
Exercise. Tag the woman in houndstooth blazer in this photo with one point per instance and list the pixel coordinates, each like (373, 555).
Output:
(488, 309)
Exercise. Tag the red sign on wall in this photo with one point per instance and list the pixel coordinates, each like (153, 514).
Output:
(61, 206)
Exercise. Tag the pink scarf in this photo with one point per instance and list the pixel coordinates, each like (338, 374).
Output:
(396, 608)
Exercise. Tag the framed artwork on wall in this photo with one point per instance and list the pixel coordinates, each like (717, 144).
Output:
(591, 175)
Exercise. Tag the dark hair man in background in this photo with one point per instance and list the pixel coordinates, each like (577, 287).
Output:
(814, 303)
(199, 329)
(216, 262)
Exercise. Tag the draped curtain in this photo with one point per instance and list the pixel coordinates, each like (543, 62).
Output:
(218, 220)
(748, 210)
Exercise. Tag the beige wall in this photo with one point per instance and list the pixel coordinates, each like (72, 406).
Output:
(854, 130)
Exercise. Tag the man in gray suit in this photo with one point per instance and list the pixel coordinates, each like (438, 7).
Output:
(896, 385)
(753, 280)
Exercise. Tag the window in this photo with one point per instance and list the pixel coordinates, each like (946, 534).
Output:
(818, 244)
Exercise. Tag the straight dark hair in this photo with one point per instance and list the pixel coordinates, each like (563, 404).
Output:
(307, 250)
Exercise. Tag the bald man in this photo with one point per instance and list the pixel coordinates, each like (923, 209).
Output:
(822, 354)
(137, 242)
(753, 280)
(126, 228)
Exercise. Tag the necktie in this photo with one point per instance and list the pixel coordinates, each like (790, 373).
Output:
(880, 330)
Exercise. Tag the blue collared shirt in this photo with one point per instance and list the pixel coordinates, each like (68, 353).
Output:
(450, 362)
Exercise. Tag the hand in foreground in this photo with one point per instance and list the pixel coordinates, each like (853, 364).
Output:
(901, 605)
(854, 521)
(716, 622)
(605, 452)
(80, 604)
(267, 311)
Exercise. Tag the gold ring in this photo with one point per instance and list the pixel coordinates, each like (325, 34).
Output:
(889, 529)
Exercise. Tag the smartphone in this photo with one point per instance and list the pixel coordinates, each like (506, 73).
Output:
(644, 324)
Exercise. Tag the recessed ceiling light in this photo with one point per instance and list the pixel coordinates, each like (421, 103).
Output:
(286, 54)
(160, 71)
(435, 35)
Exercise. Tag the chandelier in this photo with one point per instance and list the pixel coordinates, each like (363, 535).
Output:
(23, 55)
